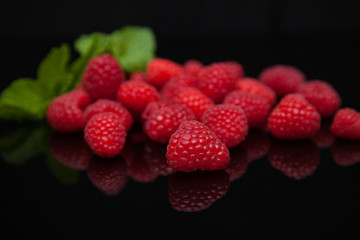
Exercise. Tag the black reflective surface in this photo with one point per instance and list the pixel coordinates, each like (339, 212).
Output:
(53, 186)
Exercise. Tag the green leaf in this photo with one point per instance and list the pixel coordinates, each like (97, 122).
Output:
(23, 99)
(52, 70)
(25, 143)
(133, 47)
(88, 47)
(62, 173)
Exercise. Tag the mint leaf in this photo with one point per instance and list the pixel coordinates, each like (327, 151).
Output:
(133, 47)
(52, 71)
(23, 99)
(88, 47)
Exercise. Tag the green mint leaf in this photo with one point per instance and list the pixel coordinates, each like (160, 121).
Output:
(88, 47)
(53, 69)
(23, 99)
(133, 47)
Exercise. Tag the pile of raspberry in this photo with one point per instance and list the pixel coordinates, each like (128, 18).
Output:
(199, 111)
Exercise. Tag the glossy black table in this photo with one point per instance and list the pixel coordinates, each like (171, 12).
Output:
(258, 196)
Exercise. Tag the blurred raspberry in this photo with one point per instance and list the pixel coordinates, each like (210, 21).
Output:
(160, 70)
(324, 137)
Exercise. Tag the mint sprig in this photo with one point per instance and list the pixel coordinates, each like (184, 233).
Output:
(27, 99)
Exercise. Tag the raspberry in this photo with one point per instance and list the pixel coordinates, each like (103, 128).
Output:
(282, 79)
(190, 192)
(293, 118)
(109, 175)
(65, 113)
(193, 146)
(346, 152)
(193, 67)
(324, 137)
(296, 159)
(105, 105)
(102, 77)
(238, 163)
(216, 81)
(257, 144)
(193, 99)
(346, 124)
(256, 108)
(105, 134)
(160, 70)
(163, 122)
(138, 76)
(151, 107)
(155, 155)
(228, 122)
(71, 150)
(176, 84)
(236, 69)
(322, 96)
(251, 85)
(135, 95)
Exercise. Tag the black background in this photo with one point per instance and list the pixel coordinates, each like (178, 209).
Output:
(319, 37)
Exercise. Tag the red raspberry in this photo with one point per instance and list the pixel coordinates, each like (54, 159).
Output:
(346, 124)
(238, 163)
(109, 175)
(293, 118)
(346, 152)
(105, 134)
(256, 108)
(282, 79)
(322, 96)
(105, 105)
(228, 122)
(257, 144)
(65, 113)
(160, 70)
(236, 69)
(155, 155)
(216, 81)
(102, 77)
(163, 122)
(324, 137)
(138, 76)
(176, 84)
(190, 192)
(251, 85)
(71, 150)
(193, 146)
(193, 99)
(151, 107)
(135, 95)
(193, 67)
(296, 159)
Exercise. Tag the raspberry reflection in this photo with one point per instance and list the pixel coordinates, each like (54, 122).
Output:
(196, 191)
(296, 159)
(257, 144)
(108, 174)
(237, 166)
(71, 150)
(346, 152)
